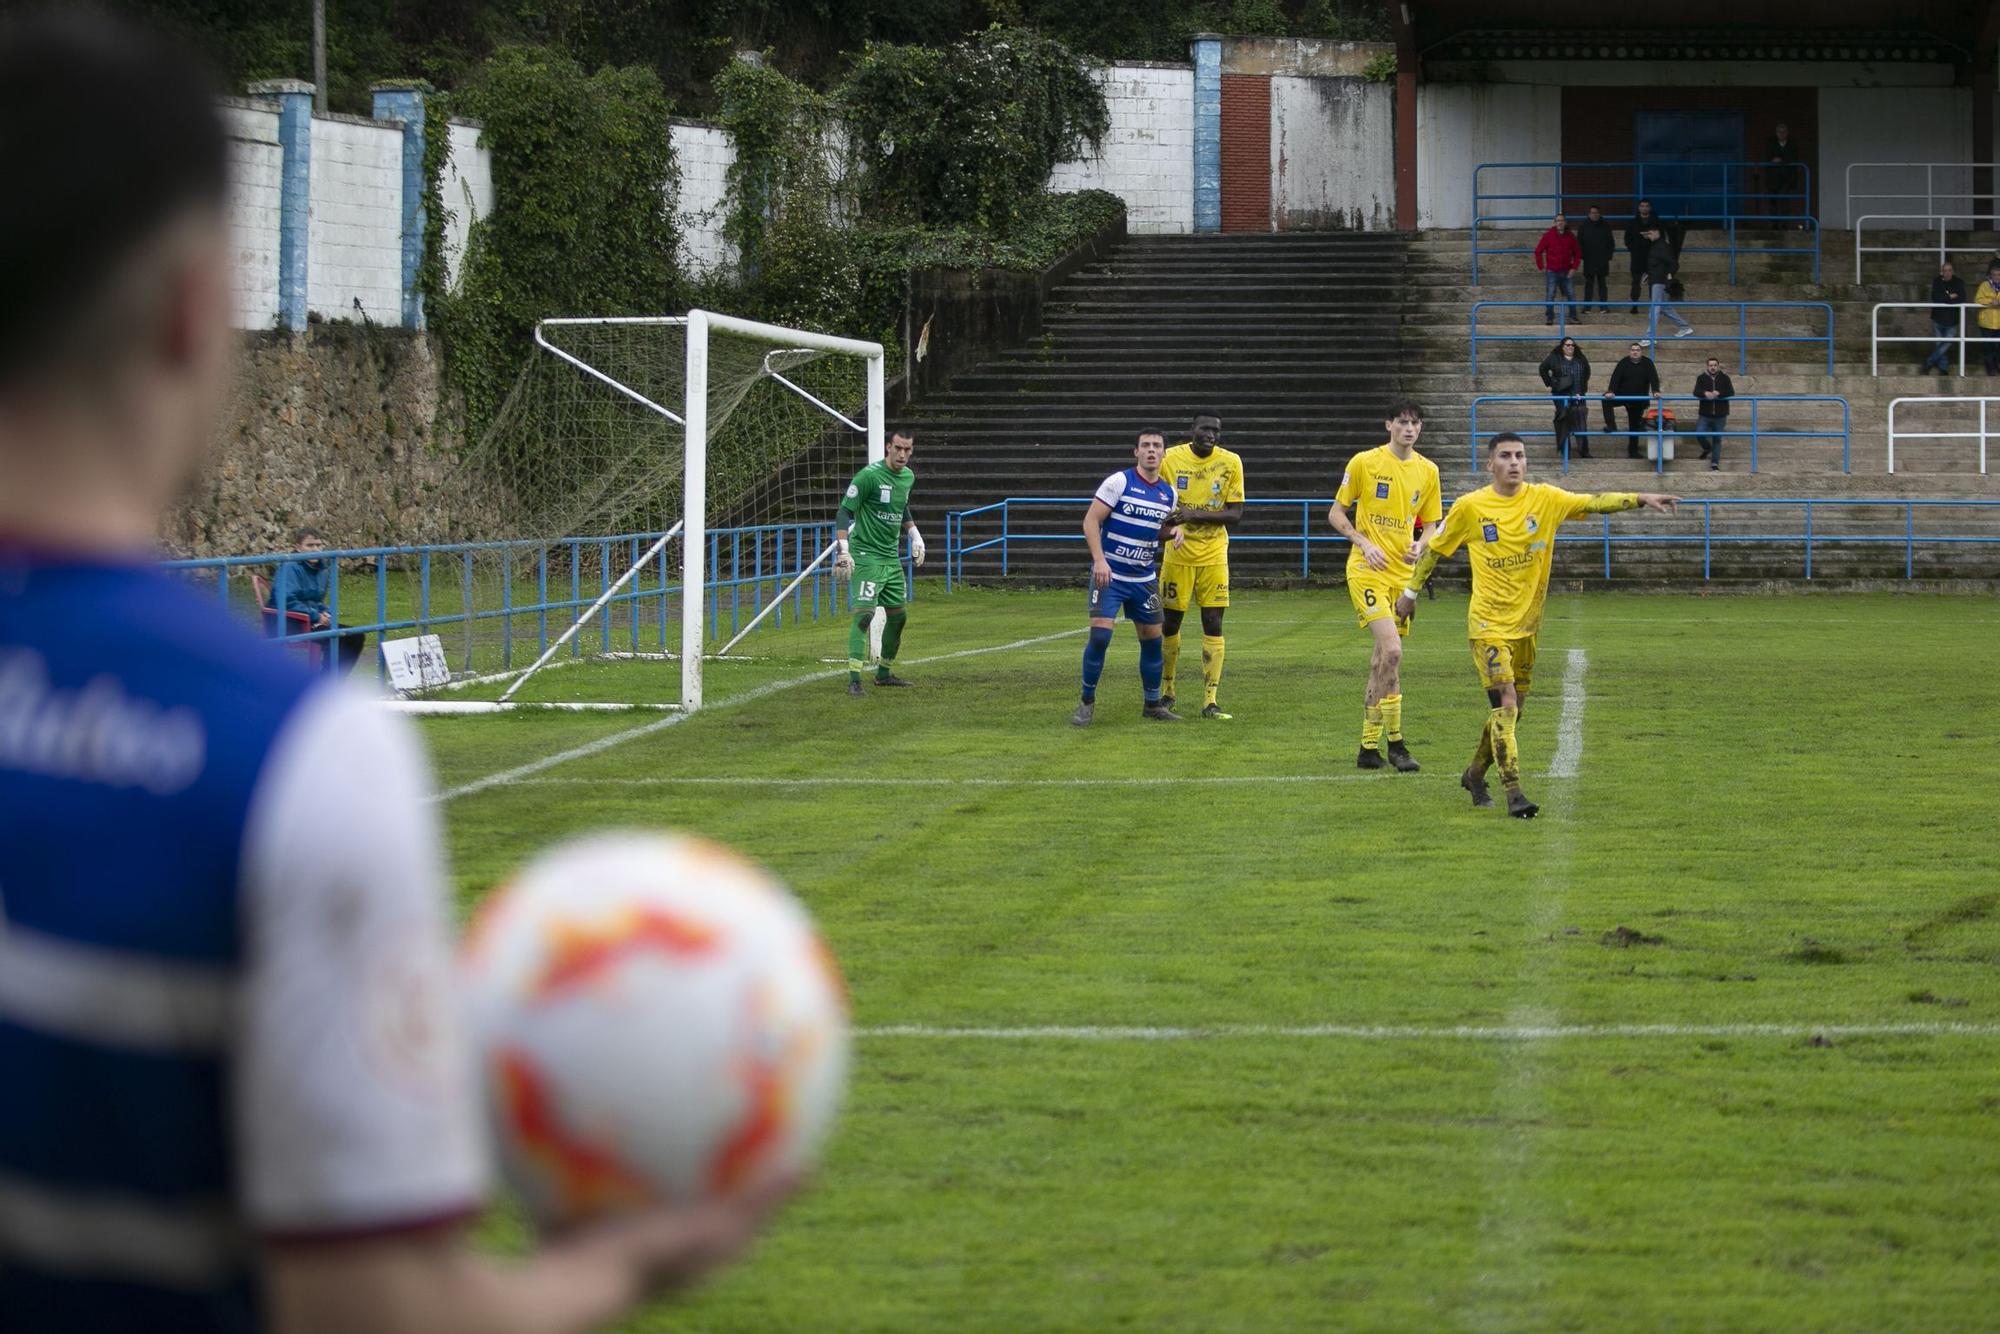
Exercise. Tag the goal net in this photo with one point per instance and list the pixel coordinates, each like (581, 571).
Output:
(658, 496)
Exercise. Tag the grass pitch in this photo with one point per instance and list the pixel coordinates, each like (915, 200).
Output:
(1198, 1028)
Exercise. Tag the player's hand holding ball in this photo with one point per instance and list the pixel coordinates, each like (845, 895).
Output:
(663, 1039)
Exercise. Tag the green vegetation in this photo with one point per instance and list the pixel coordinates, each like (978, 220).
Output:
(1779, 817)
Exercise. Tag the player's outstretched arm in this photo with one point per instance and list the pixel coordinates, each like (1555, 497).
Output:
(1617, 502)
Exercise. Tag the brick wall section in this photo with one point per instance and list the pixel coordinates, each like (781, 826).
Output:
(1147, 155)
(356, 238)
(1246, 153)
(256, 171)
(705, 155)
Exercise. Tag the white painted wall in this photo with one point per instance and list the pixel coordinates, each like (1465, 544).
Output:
(1147, 157)
(1333, 154)
(355, 239)
(705, 155)
(1890, 125)
(256, 166)
(1460, 125)
(467, 189)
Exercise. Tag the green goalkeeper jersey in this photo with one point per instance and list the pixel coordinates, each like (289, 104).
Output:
(877, 500)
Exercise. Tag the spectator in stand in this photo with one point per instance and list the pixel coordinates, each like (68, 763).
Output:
(1566, 371)
(1634, 383)
(1987, 297)
(1661, 266)
(1635, 241)
(1712, 392)
(1947, 295)
(1595, 239)
(1782, 177)
(1557, 256)
(301, 586)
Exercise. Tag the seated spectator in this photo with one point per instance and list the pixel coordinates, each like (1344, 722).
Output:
(1597, 244)
(1947, 295)
(1566, 371)
(1634, 383)
(300, 586)
(1712, 392)
(1558, 256)
(1988, 297)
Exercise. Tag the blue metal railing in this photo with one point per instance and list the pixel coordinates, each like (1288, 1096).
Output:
(1687, 425)
(1680, 192)
(746, 566)
(1812, 534)
(1743, 337)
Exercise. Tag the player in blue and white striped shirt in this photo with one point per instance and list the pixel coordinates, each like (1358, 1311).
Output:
(232, 1090)
(1124, 527)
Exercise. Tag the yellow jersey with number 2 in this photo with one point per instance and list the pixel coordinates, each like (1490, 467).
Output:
(1202, 484)
(1510, 541)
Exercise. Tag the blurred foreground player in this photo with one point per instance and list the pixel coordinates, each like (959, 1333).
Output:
(232, 1095)
(1509, 531)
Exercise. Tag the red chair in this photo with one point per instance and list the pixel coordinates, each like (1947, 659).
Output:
(296, 623)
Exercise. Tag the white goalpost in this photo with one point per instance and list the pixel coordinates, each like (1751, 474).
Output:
(628, 438)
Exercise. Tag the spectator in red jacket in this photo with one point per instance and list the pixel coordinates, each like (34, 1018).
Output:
(1558, 255)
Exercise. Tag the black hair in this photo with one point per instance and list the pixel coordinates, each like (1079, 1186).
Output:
(109, 132)
(1206, 413)
(306, 530)
(1501, 439)
(1150, 431)
(892, 432)
(1404, 407)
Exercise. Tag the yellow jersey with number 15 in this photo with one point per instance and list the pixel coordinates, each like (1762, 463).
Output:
(1389, 496)
(1202, 484)
(1510, 542)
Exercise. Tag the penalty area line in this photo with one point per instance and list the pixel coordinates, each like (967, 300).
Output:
(1420, 1032)
(508, 777)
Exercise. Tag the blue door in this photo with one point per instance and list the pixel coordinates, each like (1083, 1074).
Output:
(1692, 180)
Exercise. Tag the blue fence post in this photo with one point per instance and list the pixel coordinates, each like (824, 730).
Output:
(1846, 434)
(404, 101)
(1809, 539)
(1909, 541)
(294, 98)
(1472, 336)
(1707, 535)
(465, 606)
(575, 595)
(1207, 51)
(1742, 338)
(1754, 403)
(1006, 508)
(1607, 548)
(506, 608)
(1305, 539)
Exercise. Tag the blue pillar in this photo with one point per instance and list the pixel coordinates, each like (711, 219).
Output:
(294, 98)
(1207, 132)
(405, 102)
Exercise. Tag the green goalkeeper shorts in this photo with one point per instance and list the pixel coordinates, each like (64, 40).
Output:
(877, 583)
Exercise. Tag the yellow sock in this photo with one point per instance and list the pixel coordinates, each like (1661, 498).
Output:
(1371, 727)
(1482, 758)
(1505, 753)
(1392, 717)
(1211, 668)
(1170, 653)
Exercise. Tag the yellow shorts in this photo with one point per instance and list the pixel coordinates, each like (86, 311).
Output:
(1203, 585)
(1374, 598)
(1502, 660)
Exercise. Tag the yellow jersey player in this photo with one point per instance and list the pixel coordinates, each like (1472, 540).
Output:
(1511, 528)
(1208, 485)
(1393, 491)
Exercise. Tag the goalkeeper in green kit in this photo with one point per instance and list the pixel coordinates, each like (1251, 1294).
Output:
(877, 510)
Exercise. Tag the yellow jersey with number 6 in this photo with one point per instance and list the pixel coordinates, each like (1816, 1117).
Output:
(1389, 496)
(1510, 542)
(1202, 484)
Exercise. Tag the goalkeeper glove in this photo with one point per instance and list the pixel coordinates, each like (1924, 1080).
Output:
(916, 547)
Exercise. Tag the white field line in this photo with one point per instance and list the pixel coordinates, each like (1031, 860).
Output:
(1569, 730)
(1415, 1032)
(507, 777)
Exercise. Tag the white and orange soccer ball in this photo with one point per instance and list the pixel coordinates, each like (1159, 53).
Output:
(658, 1022)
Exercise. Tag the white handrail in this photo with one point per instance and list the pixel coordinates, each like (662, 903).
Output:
(1943, 221)
(1876, 337)
(1930, 196)
(1981, 434)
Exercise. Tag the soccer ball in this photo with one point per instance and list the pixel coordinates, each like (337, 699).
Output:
(658, 1022)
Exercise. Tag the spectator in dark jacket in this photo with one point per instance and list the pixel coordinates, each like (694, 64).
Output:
(1784, 183)
(1947, 295)
(1662, 269)
(1557, 256)
(1566, 371)
(1634, 383)
(301, 586)
(1712, 392)
(1598, 244)
(1641, 248)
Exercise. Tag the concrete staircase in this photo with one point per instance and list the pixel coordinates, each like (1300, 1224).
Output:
(1298, 341)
